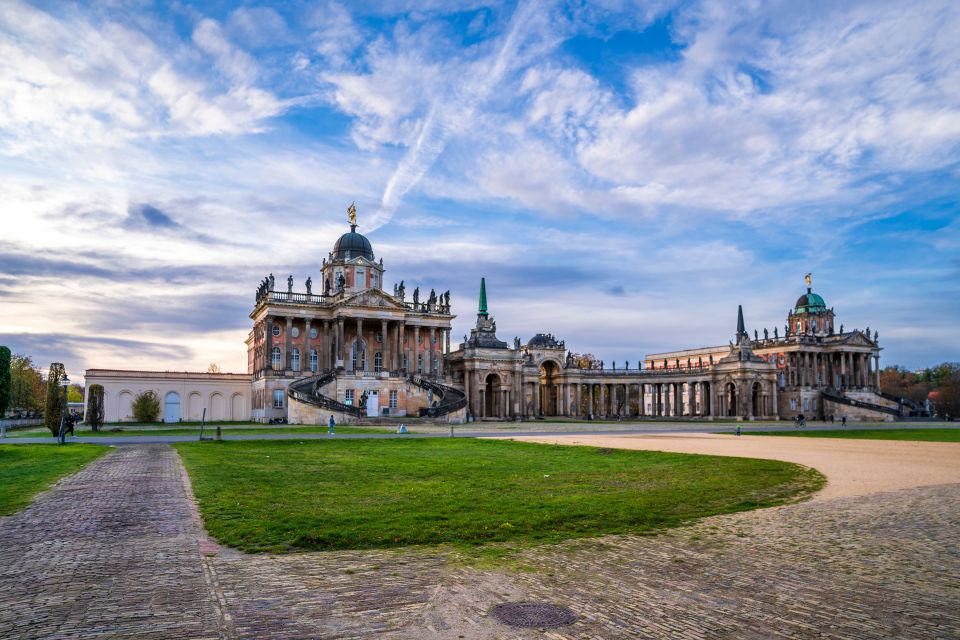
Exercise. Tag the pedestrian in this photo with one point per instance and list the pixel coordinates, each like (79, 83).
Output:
(843, 421)
(738, 429)
(330, 425)
(801, 421)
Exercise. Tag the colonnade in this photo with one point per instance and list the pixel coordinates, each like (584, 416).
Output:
(843, 370)
(401, 345)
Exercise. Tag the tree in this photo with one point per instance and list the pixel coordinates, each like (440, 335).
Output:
(146, 406)
(213, 367)
(584, 360)
(75, 393)
(94, 411)
(946, 401)
(905, 384)
(4, 381)
(26, 384)
(54, 407)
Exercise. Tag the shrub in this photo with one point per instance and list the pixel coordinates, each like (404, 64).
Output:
(94, 411)
(54, 407)
(4, 381)
(146, 406)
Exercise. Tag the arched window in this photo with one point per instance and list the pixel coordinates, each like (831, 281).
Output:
(313, 360)
(276, 358)
(295, 359)
(378, 362)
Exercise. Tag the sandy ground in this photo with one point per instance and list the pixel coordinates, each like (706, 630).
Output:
(852, 467)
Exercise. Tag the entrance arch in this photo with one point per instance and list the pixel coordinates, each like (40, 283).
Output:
(171, 407)
(730, 398)
(756, 400)
(492, 400)
(549, 370)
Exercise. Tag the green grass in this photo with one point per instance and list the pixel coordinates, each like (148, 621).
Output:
(207, 431)
(925, 435)
(278, 496)
(26, 470)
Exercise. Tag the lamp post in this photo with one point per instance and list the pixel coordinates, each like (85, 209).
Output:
(65, 383)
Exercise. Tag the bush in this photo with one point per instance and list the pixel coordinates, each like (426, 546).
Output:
(54, 405)
(4, 381)
(146, 406)
(94, 411)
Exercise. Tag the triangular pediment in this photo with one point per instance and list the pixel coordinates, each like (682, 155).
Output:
(372, 298)
(857, 339)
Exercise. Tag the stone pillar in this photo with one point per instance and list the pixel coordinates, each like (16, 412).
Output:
(341, 335)
(447, 334)
(287, 345)
(876, 370)
(467, 390)
(268, 343)
(483, 400)
(385, 345)
(361, 361)
(428, 365)
(577, 389)
(641, 402)
(537, 407)
(307, 343)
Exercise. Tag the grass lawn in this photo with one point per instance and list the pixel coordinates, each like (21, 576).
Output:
(278, 496)
(927, 435)
(195, 431)
(26, 470)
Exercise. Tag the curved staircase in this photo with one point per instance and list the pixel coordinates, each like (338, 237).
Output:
(451, 399)
(879, 408)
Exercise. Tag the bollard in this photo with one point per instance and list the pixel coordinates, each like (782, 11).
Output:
(218, 433)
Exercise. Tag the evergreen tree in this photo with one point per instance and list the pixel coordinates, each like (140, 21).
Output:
(53, 410)
(5, 389)
(94, 411)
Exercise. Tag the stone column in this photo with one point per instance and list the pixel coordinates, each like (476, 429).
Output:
(429, 359)
(384, 345)
(287, 345)
(641, 402)
(268, 343)
(361, 361)
(467, 391)
(305, 356)
(876, 370)
(414, 363)
(341, 335)
(444, 349)
(483, 402)
(537, 408)
(447, 334)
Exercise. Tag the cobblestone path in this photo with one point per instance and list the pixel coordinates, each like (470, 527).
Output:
(136, 564)
(110, 552)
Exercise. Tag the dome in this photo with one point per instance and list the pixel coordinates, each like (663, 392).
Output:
(542, 340)
(352, 245)
(810, 303)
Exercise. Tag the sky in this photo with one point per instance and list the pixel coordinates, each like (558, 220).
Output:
(623, 173)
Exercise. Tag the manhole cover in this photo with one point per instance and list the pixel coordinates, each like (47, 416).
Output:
(533, 615)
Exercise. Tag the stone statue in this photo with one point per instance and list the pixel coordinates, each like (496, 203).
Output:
(614, 365)
(290, 284)
(867, 333)
(516, 343)
(416, 297)
(309, 284)
(626, 365)
(841, 329)
(601, 365)
(766, 334)
(639, 365)
(756, 336)
(689, 365)
(271, 282)
(775, 334)
(394, 289)
(446, 300)
(341, 283)
(786, 330)
(432, 300)
(402, 291)
(876, 335)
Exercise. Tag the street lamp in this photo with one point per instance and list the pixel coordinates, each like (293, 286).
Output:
(65, 383)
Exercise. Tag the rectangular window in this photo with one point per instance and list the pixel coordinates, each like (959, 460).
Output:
(393, 399)
(313, 360)
(374, 280)
(360, 279)
(348, 397)
(278, 398)
(793, 403)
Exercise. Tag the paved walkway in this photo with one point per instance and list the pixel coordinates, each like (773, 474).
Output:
(136, 564)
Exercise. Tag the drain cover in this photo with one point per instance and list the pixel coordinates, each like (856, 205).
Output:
(533, 615)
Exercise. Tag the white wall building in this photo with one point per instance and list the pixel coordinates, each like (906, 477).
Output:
(183, 396)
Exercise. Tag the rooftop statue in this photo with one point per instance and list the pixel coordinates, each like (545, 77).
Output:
(416, 297)
(271, 282)
(876, 335)
(309, 284)
(290, 284)
(352, 213)
(401, 291)
(841, 329)
(808, 279)
(775, 336)
(766, 334)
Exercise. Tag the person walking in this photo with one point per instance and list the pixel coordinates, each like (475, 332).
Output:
(330, 425)
(843, 421)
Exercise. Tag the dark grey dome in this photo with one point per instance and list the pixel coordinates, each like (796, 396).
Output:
(543, 340)
(352, 245)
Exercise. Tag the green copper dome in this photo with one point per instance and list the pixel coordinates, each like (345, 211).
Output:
(810, 303)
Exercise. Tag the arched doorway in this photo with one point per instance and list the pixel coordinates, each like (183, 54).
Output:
(730, 398)
(171, 407)
(756, 400)
(492, 397)
(548, 388)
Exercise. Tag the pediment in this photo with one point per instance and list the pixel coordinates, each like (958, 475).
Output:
(372, 298)
(857, 339)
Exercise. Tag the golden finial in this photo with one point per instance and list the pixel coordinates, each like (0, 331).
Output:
(808, 279)
(352, 213)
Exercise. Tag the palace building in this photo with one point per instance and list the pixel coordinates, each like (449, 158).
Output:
(358, 352)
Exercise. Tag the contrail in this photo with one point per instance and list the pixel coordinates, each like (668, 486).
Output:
(449, 115)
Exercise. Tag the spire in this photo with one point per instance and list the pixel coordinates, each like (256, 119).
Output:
(741, 330)
(483, 297)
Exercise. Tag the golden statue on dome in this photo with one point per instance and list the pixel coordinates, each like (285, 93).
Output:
(808, 279)
(352, 214)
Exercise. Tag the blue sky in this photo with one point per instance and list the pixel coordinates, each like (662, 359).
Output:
(623, 173)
